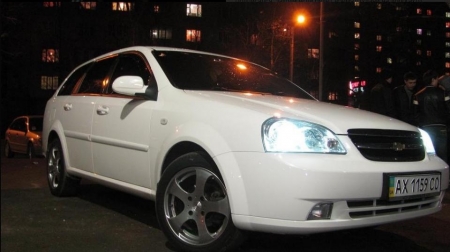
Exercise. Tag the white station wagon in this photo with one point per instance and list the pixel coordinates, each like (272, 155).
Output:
(224, 145)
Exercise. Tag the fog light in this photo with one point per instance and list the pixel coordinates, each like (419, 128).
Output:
(321, 211)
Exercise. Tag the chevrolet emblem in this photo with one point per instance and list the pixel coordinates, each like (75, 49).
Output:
(398, 146)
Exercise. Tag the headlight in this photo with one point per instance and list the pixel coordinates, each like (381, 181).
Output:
(427, 142)
(286, 135)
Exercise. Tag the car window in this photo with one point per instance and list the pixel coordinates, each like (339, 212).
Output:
(195, 71)
(97, 77)
(19, 124)
(132, 64)
(35, 123)
(73, 79)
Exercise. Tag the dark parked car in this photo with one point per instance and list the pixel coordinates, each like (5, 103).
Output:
(24, 136)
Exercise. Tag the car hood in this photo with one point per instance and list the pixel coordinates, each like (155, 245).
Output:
(337, 118)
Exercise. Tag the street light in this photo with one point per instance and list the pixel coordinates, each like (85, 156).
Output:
(300, 19)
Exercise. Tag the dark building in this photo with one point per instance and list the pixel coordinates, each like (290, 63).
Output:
(42, 41)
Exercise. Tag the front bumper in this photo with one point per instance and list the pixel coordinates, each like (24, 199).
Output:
(275, 192)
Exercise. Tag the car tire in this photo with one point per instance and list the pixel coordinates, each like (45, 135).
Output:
(194, 213)
(8, 151)
(30, 151)
(59, 182)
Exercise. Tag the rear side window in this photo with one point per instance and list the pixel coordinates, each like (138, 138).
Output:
(132, 64)
(97, 77)
(73, 79)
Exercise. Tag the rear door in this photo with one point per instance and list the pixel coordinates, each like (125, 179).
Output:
(75, 112)
(121, 128)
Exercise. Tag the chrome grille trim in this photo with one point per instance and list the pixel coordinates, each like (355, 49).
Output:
(388, 145)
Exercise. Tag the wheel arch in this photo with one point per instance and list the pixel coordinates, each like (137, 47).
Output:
(56, 132)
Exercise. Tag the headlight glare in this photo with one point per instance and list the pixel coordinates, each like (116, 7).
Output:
(286, 135)
(427, 142)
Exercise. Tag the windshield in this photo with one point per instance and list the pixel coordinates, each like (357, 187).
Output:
(36, 123)
(193, 71)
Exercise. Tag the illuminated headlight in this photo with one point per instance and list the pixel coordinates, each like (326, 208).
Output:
(286, 135)
(426, 139)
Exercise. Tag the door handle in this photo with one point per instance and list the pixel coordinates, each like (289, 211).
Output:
(68, 106)
(102, 110)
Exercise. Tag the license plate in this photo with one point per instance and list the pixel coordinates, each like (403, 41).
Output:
(413, 186)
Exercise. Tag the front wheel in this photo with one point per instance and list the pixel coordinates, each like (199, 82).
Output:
(30, 151)
(59, 182)
(193, 208)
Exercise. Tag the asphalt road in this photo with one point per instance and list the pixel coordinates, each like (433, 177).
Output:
(102, 219)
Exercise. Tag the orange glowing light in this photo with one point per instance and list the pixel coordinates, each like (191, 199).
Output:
(301, 19)
(241, 66)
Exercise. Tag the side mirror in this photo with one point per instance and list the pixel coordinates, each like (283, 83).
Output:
(134, 86)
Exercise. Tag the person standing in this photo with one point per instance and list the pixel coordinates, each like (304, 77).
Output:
(432, 105)
(380, 98)
(403, 99)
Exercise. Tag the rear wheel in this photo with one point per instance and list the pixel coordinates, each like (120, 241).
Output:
(8, 151)
(59, 182)
(192, 206)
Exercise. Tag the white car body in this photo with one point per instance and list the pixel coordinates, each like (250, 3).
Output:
(123, 142)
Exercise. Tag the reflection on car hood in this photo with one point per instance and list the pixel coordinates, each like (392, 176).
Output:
(335, 117)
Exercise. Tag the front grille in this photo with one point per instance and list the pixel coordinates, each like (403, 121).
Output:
(372, 208)
(388, 145)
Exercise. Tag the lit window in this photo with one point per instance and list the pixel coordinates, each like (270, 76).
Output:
(50, 55)
(418, 63)
(447, 14)
(379, 37)
(378, 48)
(122, 6)
(356, 68)
(332, 96)
(447, 44)
(357, 4)
(49, 82)
(398, 29)
(161, 33)
(378, 70)
(357, 25)
(428, 32)
(447, 64)
(419, 11)
(419, 32)
(194, 10)
(447, 34)
(313, 53)
(357, 35)
(52, 4)
(193, 35)
(389, 60)
(429, 53)
(332, 34)
(419, 42)
(429, 12)
(447, 55)
(419, 52)
(356, 47)
(88, 5)
(156, 8)
(378, 6)
(356, 57)
(398, 8)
